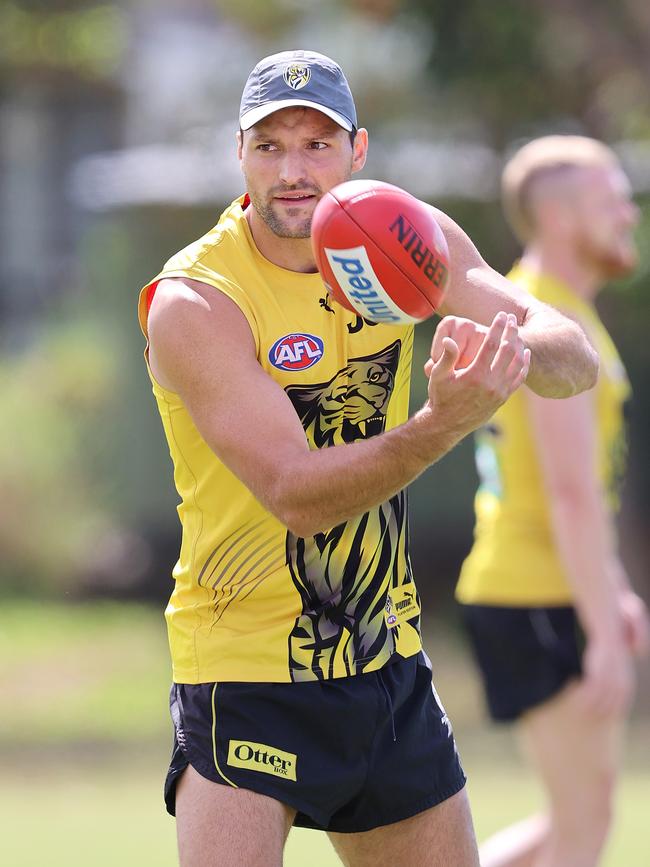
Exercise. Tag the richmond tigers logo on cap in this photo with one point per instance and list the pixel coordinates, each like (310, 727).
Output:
(297, 76)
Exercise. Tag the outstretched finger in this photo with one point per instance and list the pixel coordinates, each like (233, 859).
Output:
(491, 343)
(510, 348)
(519, 370)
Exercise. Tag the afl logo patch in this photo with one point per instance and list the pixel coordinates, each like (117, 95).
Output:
(296, 352)
(297, 76)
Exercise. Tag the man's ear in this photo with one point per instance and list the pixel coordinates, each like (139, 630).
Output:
(360, 150)
(240, 143)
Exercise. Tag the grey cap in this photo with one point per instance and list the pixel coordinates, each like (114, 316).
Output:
(297, 78)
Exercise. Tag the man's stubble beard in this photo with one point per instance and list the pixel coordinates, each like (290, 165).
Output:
(277, 225)
(613, 261)
(616, 267)
(274, 222)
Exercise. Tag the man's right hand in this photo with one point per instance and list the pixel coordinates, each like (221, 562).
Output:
(473, 370)
(607, 684)
(636, 624)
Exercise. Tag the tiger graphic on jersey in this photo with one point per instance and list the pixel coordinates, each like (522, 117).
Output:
(343, 576)
(352, 405)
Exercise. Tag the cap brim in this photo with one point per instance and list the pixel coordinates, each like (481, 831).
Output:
(255, 115)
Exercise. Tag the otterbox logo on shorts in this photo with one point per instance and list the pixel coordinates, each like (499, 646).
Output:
(260, 757)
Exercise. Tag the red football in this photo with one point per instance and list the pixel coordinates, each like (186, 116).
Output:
(380, 251)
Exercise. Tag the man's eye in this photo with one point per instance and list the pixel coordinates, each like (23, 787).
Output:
(317, 145)
(265, 146)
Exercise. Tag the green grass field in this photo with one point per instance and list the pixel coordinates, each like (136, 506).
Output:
(84, 741)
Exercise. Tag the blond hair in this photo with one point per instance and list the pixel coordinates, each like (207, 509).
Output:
(539, 159)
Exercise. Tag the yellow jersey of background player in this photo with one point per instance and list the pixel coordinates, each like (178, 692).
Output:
(514, 560)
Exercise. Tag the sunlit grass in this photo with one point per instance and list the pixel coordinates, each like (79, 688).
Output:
(103, 814)
(83, 673)
(85, 738)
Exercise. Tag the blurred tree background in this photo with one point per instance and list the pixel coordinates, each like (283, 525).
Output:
(117, 124)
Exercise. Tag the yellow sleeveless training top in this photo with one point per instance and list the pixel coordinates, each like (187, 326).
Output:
(253, 602)
(513, 561)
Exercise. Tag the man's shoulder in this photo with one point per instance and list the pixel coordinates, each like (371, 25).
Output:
(212, 259)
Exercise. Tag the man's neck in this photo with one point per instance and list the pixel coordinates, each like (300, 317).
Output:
(293, 254)
(562, 264)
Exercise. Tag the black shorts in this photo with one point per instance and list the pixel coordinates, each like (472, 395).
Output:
(348, 754)
(526, 655)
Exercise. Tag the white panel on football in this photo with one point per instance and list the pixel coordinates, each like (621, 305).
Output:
(356, 277)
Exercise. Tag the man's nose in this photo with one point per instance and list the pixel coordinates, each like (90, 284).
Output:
(292, 167)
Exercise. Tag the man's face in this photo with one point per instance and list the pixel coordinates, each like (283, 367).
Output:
(604, 221)
(290, 159)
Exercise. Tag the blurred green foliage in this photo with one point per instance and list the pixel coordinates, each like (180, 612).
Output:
(54, 393)
(518, 67)
(89, 40)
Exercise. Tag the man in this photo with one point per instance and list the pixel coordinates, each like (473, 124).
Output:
(301, 694)
(544, 569)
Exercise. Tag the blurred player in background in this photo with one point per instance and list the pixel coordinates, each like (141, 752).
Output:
(301, 692)
(551, 615)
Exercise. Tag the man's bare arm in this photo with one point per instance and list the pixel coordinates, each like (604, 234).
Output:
(202, 348)
(563, 362)
(582, 527)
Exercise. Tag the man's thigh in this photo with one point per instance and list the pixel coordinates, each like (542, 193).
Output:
(442, 836)
(576, 753)
(220, 826)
